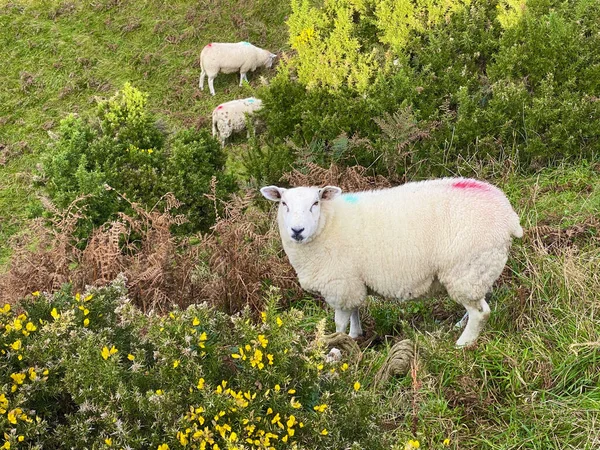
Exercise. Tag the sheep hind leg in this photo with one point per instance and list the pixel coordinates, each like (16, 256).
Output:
(463, 321)
(201, 82)
(211, 85)
(479, 313)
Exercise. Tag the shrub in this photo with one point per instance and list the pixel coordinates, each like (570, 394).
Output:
(90, 371)
(126, 148)
(484, 81)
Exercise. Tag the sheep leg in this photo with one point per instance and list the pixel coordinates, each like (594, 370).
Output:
(462, 322)
(479, 313)
(211, 85)
(201, 83)
(242, 78)
(355, 327)
(342, 317)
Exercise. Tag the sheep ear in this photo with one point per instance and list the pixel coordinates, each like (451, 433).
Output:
(329, 192)
(272, 193)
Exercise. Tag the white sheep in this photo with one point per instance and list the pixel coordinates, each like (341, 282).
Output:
(400, 242)
(232, 57)
(230, 117)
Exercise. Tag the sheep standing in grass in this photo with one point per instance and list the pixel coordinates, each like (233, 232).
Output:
(229, 58)
(400, 242)
(230, 117)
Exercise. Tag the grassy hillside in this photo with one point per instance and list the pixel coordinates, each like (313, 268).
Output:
(58, 56)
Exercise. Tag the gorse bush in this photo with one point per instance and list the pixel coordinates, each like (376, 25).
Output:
(126, 148)
(91, 371)
(485, 81)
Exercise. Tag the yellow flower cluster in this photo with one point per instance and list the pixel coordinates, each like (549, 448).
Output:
(258, 432)
(254, 354)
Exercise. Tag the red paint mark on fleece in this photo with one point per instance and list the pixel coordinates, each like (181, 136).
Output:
(470, 184)
(220, 107)
(209, 45)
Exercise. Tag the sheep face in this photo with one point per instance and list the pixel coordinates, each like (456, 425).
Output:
(300, 210)
(270, 60)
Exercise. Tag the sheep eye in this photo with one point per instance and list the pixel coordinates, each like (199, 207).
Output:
(284, 204)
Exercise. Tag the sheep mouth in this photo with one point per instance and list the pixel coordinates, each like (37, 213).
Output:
(297, 237)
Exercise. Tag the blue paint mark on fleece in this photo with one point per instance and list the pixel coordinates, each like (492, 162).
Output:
(350, 198)
(250, 100)
(246, 43)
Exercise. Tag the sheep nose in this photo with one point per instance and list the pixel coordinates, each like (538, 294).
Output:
(296, 233)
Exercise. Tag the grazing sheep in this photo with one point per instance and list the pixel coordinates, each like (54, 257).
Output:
(229, 58)
(400, 242)
(230, 117)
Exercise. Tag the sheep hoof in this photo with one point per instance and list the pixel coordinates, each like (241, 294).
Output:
(334, 355)
(465, 344)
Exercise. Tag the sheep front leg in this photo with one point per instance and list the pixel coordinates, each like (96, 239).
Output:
(479, 313)
(355, 327)
(342, 317)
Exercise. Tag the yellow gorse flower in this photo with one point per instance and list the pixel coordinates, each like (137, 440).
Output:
(18, 378)
(356, 386)
(106, 353)
(54, 313)
(262, 340)
(320, 408)
(16, 345)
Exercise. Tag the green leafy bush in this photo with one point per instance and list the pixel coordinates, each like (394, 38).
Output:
(91, 371)
(126, 148)
(484, 81)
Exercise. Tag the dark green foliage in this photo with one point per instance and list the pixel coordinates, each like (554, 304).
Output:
(126, 149)
(488, 83)
(194, 159)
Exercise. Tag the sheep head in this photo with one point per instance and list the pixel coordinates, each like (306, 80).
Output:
(299, 209)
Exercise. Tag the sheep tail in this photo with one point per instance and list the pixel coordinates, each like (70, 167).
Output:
(517, 230)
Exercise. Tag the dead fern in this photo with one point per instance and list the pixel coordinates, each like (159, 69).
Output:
(244, 253)
(348, 178)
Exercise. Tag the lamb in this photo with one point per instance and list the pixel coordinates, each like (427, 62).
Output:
(232, 57)
(401, 242)
(230, 117)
